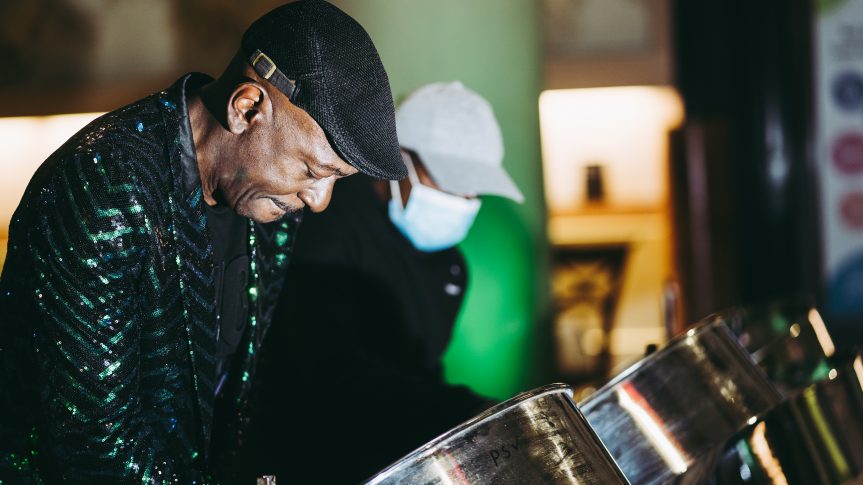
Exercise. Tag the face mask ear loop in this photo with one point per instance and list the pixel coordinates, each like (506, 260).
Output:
(412, 172)
(395, 190)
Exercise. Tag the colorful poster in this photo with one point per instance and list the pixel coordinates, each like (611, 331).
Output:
(838, 52)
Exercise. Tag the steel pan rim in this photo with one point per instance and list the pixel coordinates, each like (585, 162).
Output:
(492, 412)
(708, 324)
(844, 375)
(736, 316)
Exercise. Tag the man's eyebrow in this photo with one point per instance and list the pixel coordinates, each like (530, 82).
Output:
(334, 170)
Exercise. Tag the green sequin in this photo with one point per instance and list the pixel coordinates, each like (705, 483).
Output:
(281, 238)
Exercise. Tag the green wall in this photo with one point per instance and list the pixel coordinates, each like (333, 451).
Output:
(493, 48)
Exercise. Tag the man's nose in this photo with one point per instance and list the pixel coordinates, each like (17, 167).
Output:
(317, 197)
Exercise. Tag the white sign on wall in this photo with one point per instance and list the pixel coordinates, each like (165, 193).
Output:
(838, 51)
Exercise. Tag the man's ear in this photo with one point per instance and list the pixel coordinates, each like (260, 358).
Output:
(249, 104)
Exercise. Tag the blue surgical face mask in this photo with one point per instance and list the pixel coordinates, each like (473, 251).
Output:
(432, 220)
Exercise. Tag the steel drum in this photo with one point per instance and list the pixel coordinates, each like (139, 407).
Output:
(665, 418)
(788, 339)
(816, 437)
(537, 437)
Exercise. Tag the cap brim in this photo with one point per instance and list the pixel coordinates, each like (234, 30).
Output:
(353, 153)
(365, 139)
(470, 178)
(350, 153)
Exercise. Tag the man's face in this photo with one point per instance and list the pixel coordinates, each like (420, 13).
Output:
(283, 162)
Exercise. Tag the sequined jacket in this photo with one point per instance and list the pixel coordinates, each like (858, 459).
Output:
(107, 323)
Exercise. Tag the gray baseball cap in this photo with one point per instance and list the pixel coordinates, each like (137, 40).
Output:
(455, 134)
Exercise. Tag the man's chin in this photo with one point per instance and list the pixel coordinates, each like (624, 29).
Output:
(265, 216)
(263, 210)
(268, 218)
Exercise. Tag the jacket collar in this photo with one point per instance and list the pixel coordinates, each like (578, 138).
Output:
(188, 159)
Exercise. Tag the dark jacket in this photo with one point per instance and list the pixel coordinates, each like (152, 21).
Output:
(352, 373)
(107, 324)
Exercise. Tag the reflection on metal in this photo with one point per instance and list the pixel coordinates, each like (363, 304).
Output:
(441, 471)
(795, 330)
(535, 437)
(765, 457)
(815, 437)
(821, 332)
(823, 433)
(858, 369)
(666, 417)
(652, 428)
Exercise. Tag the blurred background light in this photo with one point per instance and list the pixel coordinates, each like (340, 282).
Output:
(622, 129)
(27, 141)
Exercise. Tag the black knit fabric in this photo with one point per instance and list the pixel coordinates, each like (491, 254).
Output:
(340, 79)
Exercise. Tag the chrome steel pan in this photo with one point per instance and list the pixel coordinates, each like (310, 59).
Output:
(537, 437)
(665, 417)
(814, 437)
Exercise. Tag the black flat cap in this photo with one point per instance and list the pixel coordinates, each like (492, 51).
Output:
(325, 62)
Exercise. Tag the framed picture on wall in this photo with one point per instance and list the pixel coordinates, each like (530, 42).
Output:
(585, 283)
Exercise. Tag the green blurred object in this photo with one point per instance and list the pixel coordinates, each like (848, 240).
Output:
(496, 52)
(825, 6)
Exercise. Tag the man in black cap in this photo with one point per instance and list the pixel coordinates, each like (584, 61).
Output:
(147, 253)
